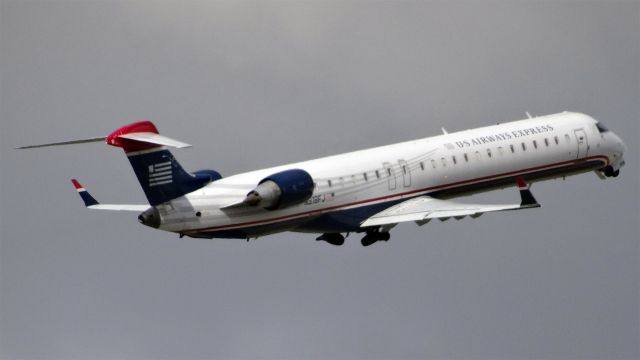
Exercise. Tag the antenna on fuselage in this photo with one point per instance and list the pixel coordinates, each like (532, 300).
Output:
(444, 131)
(528, 115)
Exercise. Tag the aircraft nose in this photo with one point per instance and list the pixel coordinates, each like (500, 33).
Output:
(619, 144)
(617, 149)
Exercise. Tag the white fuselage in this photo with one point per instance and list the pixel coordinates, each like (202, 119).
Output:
(352, 186)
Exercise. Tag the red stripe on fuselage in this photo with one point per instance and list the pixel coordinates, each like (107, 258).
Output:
(386, 197)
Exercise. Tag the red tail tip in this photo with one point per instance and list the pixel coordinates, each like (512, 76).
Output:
(128, 145)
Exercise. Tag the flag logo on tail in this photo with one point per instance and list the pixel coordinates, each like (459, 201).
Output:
(160, 174)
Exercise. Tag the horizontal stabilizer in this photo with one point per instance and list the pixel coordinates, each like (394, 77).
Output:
(152, 138)
(71, 142)
(91, 203)
(135, 135)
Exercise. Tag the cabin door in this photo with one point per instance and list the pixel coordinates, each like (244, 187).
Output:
(583, 145)
(406, 173)
(390, 174)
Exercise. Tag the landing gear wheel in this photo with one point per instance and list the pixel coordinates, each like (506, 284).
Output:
(332, 238)
(367, 241)
(375, 236)
(608, 171)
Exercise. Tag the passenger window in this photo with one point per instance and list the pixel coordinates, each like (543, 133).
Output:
(477, 155)
(433, 163)
(421, 165)
(466, 158)
(454, 159)
(555, 138)
(566, 137)
(378, 174)
(365, 176)
(444, 162)
(389, 172)
(489, 152)
(546, 142)
(500, 151)
(535, 144)
(513, 149)
(524, 147)
(404, 169)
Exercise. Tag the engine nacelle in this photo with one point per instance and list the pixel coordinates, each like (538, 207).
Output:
(281, 189)
(207, 175)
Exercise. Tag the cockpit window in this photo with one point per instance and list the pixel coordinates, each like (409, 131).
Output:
(601, 128)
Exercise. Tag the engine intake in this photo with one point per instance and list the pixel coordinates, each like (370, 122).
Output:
(281, 189)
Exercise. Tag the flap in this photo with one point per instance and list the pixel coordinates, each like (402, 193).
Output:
(424, 208)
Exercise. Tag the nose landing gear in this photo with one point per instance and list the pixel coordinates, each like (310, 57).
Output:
(610, 172)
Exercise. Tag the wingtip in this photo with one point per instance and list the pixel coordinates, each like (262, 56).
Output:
(76, 184)
(527, 199)
(84, 194)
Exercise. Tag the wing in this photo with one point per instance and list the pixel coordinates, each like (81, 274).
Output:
(424, 208)
(91, 203)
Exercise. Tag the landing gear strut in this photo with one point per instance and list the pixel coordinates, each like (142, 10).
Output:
(375, 236)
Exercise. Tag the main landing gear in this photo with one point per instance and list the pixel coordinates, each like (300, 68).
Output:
(370, 238)
(332, 238)
(374, 236)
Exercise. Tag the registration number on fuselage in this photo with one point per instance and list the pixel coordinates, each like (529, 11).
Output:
(318, 199)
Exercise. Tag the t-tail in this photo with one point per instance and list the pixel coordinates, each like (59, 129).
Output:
(161, 176)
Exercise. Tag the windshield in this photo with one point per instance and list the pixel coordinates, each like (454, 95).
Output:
(601, 128)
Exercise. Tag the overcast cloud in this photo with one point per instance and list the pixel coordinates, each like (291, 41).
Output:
(256, 84)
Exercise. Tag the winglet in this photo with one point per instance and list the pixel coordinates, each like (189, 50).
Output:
(84, 194)
(525, 194)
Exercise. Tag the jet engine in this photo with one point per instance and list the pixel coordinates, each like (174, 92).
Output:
(281, 189)
(207, 175)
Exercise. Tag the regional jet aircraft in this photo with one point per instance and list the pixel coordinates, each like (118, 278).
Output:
(367, 191)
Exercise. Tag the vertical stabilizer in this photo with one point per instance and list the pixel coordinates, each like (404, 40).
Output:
(161, 176)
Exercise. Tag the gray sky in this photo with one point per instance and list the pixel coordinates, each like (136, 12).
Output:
(255, 84)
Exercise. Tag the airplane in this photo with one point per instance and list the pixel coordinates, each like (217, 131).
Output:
(367, 191)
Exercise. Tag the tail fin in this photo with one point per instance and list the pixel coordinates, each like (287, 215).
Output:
(159, 173)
